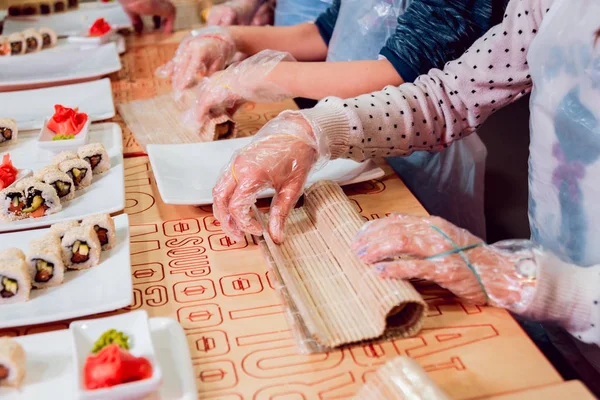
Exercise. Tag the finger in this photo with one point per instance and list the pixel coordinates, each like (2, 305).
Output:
(370, 228)
(242, 200)
(408, 269)
(222, 193)
(284, 201)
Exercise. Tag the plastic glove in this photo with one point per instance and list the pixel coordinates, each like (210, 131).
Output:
(281, 156)
(265, 15)
(201, 53)
(502, 275)
(160, 9)
(227, 90)
(233, 12)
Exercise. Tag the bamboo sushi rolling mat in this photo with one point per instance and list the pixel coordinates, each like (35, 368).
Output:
(186, 268)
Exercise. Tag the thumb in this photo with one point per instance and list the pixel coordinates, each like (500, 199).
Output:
(284, 201)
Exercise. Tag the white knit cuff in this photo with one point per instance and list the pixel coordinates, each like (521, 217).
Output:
(330, 122)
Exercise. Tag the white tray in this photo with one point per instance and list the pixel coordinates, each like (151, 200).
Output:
(30, 107)
(71, 22)
(50, 372)
(105, 195)
(105, 287)
(186, 173)
(63, 63)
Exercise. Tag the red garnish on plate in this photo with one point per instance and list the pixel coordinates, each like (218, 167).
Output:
(114, 366)
(67, 121)
(99, 27)
(8, 172)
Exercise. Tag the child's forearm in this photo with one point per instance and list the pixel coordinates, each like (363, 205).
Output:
(303, 41)
(342, 79)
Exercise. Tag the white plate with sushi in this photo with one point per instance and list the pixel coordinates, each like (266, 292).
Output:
(106, 286)
(186, 173)
(63, 63)
(105, 194)
(71, 22)
(59, 382)
(30, 107)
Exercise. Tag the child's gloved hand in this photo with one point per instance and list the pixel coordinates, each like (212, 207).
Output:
(233, 12)
(281, 156)
(160, 9)
(199, 54)
(502, 275)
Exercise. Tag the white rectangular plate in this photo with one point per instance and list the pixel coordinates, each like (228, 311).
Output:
(30, 107)
(50, 372)
(63, 63)
(105, 287)
(71, 22)
(186, 173)
(105, 195)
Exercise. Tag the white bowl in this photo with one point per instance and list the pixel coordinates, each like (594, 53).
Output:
(134, 325)
(45, 139)
(83, 38)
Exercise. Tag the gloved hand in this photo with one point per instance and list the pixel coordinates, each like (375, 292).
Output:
(160, 9)
(265, 15)
(501, 275)
(226, 91)
(281, 156)
(233, 12)
(199, 54)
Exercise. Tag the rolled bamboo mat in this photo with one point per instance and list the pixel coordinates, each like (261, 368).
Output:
(403, 379)
(332, 298)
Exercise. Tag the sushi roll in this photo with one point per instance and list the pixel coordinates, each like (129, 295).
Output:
(80, 172)
(104, 226)
(95, 154)
(44, 259)
(62, 183)
(60, 6)
(61, 228)
(12, 252)
(72, 4)
(17, 44)
(12, 362)
(49, 37)
(80, 248)
(15, 282)
(33, 41)
(45, 8)
(39, 174)
(30, 9)
(14, 10)
(64, 156)
(12, 202)
(26, 183)
(41, 199)
(8, 131)
(4, 46)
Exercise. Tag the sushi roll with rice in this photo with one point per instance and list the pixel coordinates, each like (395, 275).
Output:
(15, 282)
(80, 248)
(26, 183)
(33, 41)
(62, 183)
(79, 170)
(64, 156)
(104, 226)
(30, 9)
(4, 46)
(44, 259)
(73, 4)
(8, 131)
(17, 44)
(60, 6)
(39, 174)
(41, 199)
(12, 202)
(61, 228)
(49, 37)
(95, 154)
(12, 252)
(12, 362)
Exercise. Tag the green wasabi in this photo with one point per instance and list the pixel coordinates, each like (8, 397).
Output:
(63, 137)
(109, 337)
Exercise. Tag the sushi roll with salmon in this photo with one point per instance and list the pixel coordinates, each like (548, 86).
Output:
(80, 248)
(8, 131)
(64, 156)
(12, 362)
(45, 262)
(79, 171)
(62, 183)
(33, 41)
(49, 37)
(104, 226)
(95, 154)
(17, 44)
(4, 46)
(44, 170)
(12, 202)
(61, 228)
(15, 282)
(41, 199)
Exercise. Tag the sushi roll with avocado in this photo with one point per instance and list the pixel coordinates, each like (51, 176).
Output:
(12, 202)
(8, 131)
(62, 183)
(41, 199)
(17, 44)
(79, 171)
(12, 252)
(39, 174)
(33, 41)
(80, 248)
(104, 226)
(61, 228)
(44, 259)
(12, 362)
(15, 282)
(95, 154)
(49, 37)
(64, 156)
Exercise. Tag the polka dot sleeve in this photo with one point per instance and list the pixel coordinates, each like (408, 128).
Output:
(442, 106)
